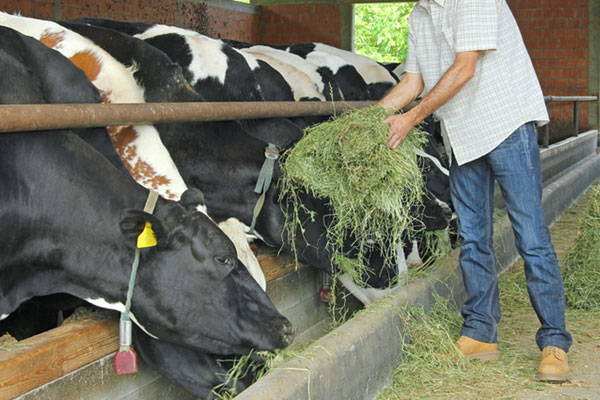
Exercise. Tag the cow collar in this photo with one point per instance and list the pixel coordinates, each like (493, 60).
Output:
(264, 180)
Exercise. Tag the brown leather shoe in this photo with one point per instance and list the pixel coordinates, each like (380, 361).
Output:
(554, 366)
(473, 349)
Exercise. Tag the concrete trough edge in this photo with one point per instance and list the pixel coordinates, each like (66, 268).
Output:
(355, 361)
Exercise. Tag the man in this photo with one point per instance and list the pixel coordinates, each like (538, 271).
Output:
(469, 58)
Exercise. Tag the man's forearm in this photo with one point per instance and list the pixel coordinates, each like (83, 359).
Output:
(403, 93)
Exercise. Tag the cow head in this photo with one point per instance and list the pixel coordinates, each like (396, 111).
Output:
(191, 288)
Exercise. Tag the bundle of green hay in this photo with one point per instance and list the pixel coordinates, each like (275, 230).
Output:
(581, 270)
(372, 190)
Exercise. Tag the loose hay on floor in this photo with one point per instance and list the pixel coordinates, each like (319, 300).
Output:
(581, 270)
(372, 190)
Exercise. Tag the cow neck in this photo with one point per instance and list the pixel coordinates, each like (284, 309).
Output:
(76, 249)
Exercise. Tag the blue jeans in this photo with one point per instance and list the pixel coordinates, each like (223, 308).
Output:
(515, 164)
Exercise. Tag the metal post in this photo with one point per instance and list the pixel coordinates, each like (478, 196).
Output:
(546, 137)
(576, 117)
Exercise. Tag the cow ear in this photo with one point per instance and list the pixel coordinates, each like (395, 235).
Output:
(192, 198)
(133, 221)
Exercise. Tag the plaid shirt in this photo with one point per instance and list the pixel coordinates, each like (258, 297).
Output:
(503, 94)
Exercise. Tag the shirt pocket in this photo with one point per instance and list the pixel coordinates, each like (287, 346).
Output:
(447, 52)
(448, 35)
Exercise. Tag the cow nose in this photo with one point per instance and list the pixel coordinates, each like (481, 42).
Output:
(287, 333)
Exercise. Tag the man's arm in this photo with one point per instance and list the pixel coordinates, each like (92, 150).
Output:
(403, 93)
(459, 73)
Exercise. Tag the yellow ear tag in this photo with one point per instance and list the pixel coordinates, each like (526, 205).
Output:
(147, 238)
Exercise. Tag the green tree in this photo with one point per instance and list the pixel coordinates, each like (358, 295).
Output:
(381, 30)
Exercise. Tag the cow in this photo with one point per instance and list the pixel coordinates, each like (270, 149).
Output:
(140, 147)
(190, 289)
(323, 78)
(219, 72)
(378, 79)
(117, 86)
(316, 252)
(199, 149)
(216, 71)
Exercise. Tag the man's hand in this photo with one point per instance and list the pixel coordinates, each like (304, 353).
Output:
(459, 73)
(400, 125)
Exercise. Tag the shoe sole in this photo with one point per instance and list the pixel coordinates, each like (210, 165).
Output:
(552, 378)
(491, 356)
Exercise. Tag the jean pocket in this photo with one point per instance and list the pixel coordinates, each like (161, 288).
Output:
(527, 134)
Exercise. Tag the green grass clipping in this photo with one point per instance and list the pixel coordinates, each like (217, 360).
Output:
(372, 190)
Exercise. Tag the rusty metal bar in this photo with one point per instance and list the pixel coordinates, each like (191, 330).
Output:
(575, 100)
(35, 117)
(570, 98)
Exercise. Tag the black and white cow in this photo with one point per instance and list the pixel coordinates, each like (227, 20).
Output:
(125, 50)
(75, 217)
(140, 147)
(218, 81)
(200, 149)
(378, 79)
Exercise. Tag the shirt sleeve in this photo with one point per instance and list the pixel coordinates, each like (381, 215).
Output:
(476, 25)
(411, 64)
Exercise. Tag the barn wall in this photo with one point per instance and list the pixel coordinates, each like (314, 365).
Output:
(556, 35)
(219, 19)
(301, 23)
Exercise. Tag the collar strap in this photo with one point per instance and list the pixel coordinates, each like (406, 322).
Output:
(151, 202)
(125, 328)
(264, 181)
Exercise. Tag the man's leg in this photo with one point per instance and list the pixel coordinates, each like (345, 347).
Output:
(472, 191)
(516, 165)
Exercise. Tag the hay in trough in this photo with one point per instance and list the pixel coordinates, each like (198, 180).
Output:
(373, 191)
(581, 270)
(7, 341)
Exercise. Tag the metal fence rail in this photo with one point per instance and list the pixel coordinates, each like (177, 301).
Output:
(36, 117)
(575, 100)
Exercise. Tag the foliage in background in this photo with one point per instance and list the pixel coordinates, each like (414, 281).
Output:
(381, 30)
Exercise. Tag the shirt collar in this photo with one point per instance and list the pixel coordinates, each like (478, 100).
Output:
(426, 3)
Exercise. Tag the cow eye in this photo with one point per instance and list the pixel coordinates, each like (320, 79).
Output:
(225, 261)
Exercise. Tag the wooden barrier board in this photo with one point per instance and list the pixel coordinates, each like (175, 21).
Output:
(42, 358)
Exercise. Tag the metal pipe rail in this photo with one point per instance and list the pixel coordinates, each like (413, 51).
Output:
(36, 117)
(575, 100)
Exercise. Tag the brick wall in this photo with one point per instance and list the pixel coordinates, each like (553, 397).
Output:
(272, 24)
(556, 35)
(292, 24)
(43, 9)
(231, 24)
(236, 21)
